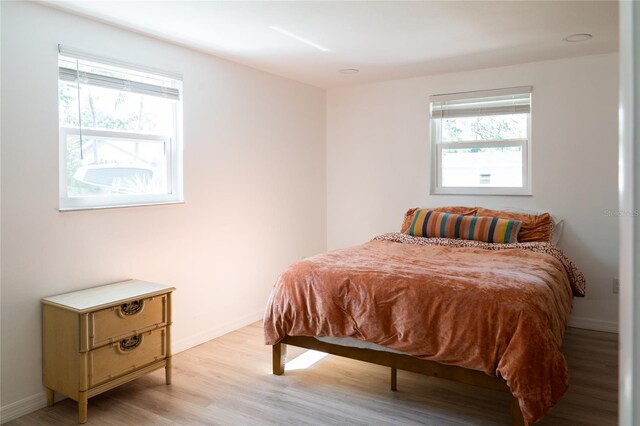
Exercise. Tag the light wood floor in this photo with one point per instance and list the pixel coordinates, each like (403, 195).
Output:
(227, 381)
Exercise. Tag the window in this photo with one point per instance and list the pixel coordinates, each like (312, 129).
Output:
(480, 142)
(120, 134)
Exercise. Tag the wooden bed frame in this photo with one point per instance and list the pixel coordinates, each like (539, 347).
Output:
(397, 361)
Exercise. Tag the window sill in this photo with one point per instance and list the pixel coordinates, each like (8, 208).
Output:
(80, 208)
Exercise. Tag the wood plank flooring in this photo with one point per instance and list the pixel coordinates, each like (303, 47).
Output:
(227, 381)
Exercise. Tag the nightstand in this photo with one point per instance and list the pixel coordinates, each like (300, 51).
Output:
(96, 339)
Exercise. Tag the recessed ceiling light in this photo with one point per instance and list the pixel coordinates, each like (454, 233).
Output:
(577, 37)
(349, 71)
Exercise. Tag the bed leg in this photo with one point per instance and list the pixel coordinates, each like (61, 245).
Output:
(394, 379)
(516, 413)
(279, 358)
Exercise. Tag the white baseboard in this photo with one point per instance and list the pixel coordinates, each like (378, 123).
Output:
(23, 406)
(217, 331)
(593, 324)
(35, 402)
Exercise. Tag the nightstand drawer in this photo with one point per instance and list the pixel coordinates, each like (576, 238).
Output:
(126, 355)
(111, 324)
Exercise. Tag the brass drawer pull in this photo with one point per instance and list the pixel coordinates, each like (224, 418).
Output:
(131, 308)
(130, 343)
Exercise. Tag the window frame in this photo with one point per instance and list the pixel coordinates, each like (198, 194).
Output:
(173, 151)
(436, 148)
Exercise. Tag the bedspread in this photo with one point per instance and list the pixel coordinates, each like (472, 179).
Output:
(493, 309)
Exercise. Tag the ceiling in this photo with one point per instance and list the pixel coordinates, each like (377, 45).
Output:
(382, 39)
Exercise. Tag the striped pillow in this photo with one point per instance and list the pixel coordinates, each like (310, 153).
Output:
(429, 223)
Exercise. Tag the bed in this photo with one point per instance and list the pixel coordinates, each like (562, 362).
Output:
(485, 314)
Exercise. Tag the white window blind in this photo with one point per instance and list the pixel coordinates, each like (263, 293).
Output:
(77, 65)
(516, 100)
(94, 79)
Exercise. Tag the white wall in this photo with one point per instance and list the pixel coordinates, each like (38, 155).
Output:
(378, 161)
(254, 179)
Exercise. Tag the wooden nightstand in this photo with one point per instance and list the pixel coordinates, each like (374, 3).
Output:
(96, 339)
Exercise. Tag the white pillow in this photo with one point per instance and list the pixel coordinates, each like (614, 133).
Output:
(558, 226)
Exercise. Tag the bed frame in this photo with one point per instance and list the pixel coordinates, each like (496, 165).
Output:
(397, 361)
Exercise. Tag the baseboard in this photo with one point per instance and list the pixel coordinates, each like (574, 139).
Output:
(217, 331)
(593, 324)
(24, 406)
(35, 402)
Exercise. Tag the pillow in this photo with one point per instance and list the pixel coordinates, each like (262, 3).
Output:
(429, 223)
(535, 227)
(558, 226)
(465, 211)
(558, 223)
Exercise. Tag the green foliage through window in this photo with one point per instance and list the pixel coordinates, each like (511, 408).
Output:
(484, 128)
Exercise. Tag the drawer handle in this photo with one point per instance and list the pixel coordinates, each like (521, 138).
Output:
(130, 343)
(131, 308)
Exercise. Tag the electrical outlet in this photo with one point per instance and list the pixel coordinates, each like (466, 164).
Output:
(616, 286)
